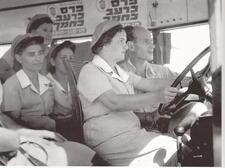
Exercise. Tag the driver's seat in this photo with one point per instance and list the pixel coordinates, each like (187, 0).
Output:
(78, 114)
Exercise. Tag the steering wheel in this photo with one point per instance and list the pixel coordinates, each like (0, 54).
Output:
(196, 86)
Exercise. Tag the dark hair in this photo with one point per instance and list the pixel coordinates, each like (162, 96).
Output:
(24, 44)
(106, 38)
(54, 53)
(130, 33)
(39, 22)
(20, 48)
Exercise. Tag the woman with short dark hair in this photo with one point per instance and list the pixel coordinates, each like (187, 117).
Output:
(28, 96)
(106, 91)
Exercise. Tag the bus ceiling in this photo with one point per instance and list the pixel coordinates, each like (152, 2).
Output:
(78, 18)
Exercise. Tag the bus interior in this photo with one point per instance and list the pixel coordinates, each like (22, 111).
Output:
(188, 36)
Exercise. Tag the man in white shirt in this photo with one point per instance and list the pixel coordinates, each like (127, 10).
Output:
(138, 57)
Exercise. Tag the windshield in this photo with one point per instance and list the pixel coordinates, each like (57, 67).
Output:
(186, 44)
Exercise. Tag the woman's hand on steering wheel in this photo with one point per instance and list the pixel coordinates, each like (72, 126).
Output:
(196, 86)
(169, 94)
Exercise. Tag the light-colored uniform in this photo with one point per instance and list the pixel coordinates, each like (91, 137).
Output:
(62, 110)
(65, 153)
(151, 71)
(62, 98)
(117, 136)
(34, 106)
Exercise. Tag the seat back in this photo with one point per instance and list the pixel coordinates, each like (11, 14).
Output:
(82, 56)
(76, 104)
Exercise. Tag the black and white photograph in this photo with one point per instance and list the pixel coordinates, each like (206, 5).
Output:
(134, 83)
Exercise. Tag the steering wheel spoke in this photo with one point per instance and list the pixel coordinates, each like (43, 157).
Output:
(196, 86)
(178, 100)
(194, 77)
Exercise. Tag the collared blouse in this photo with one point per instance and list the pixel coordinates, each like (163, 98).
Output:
(96, 78)
(117, 136)
(33, 105)
(63, 100)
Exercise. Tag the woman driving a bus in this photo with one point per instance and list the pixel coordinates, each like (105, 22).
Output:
(107, 96)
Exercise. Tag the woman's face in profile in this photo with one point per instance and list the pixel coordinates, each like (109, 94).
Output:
(118, 46)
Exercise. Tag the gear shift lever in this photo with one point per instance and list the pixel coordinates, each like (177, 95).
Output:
(179, 131)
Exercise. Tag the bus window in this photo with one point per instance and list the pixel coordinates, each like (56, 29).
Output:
(3, 49)
(186, 44)
(76, 40)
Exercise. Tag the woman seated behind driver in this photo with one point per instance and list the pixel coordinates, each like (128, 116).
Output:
(28, 95)
(60, 151)
(58, 75)
(106, 91)
(39, 24)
